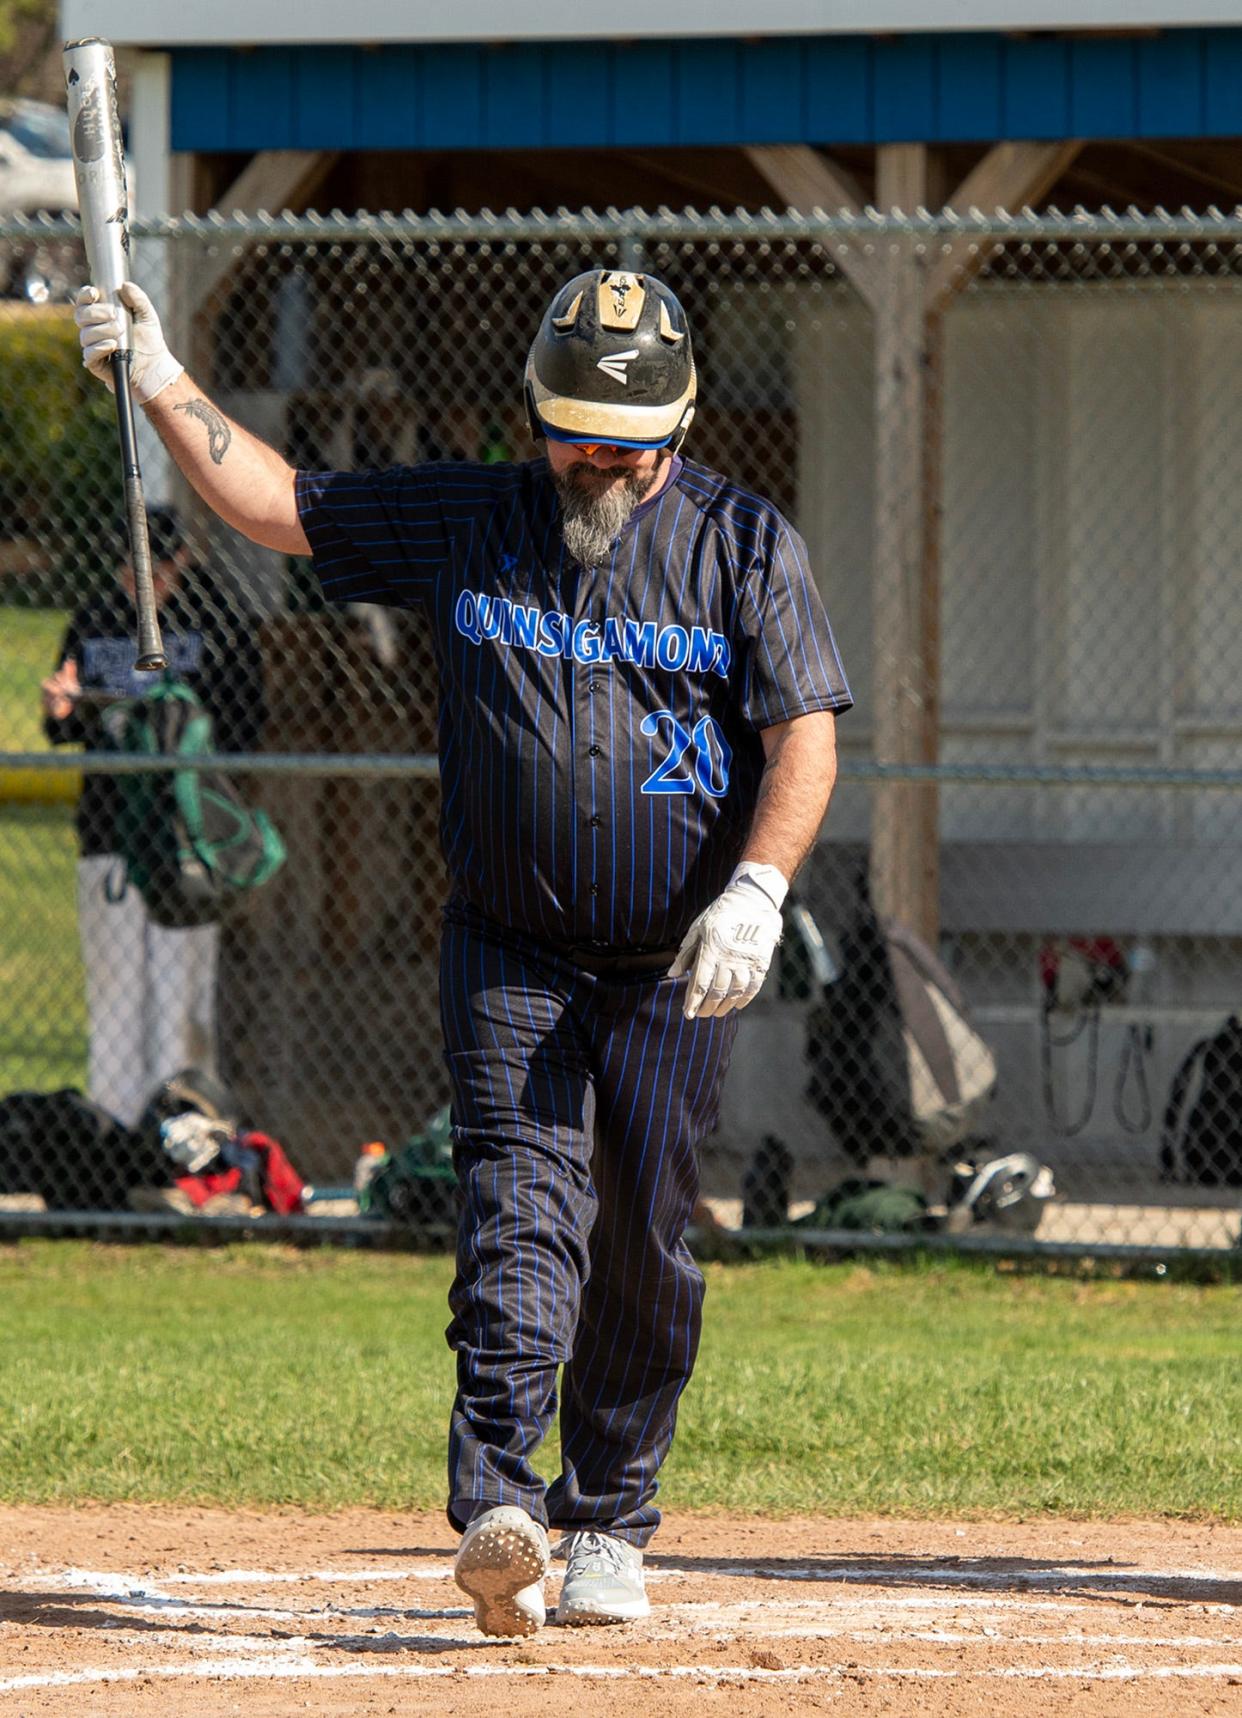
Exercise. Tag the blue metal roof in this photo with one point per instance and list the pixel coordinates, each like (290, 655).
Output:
(813, 89)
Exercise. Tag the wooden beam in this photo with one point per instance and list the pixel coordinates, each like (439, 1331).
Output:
(272, 181)
(905, 849)
(905, 839)
(909, 177)
(277, 179)
(905, 834)
(1013, 175)
(909, 302)
(1010, 176)
(806, 180)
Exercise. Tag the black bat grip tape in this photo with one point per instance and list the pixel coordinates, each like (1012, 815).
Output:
(151, 656)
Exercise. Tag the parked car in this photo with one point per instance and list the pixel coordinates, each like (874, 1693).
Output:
(36, 177)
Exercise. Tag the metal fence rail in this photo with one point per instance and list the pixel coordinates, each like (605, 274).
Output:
(1011, 442)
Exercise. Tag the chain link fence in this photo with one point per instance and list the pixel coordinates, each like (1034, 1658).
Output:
(1012, 447)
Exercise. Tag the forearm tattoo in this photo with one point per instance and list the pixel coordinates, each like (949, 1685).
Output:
(219, 435)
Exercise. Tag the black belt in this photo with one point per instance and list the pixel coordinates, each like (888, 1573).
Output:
(604, 962)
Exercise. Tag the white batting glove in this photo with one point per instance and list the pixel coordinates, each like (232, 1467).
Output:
(728, 949)
(101, 329)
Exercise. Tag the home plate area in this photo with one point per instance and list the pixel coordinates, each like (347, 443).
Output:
(199, 1611)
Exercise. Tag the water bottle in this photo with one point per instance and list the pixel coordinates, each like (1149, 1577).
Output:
(367, 1167)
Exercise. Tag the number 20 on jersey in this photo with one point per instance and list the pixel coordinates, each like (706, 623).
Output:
(697, 757)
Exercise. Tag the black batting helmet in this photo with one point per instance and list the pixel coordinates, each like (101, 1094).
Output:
(612, 363)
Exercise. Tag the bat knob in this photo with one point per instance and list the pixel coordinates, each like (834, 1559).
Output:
(151, 662)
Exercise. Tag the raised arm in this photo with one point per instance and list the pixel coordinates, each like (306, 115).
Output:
(246, 482)
(239, 477)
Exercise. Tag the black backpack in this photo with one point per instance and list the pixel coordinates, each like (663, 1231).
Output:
(1201, 1141)
(73, 1154)
(896, 1068)
(185, 838)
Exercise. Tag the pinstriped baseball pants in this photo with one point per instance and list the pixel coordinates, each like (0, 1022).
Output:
(578, 1107)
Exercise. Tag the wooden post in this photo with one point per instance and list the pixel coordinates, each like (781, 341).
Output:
(906, 591)
(905, 836)
(906, 565)
(908, 288)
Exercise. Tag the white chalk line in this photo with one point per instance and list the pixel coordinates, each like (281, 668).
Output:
(918, 1574)
(143, 1596)
(858, 1623)
(723, 1634)
(93, 1578)
(139, 1598)
(878, 1575)
(262, 1658)
(282, 1669)
(134, 1600)
(152, 1604)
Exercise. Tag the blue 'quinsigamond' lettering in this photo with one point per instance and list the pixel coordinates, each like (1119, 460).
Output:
(638, 641)
(466, 617)
(525, 626)
(617, 638)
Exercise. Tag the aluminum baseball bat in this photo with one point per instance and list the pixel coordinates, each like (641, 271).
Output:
(99, 172)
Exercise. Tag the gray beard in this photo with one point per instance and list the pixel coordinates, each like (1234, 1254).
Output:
(592, 518)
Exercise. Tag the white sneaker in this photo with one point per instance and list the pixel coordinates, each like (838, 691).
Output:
(501, 1563)
(603, 1582)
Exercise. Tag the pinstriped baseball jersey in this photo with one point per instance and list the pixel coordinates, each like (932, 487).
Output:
(599, 729)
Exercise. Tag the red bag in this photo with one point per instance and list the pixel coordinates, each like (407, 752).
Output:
(282, 1187)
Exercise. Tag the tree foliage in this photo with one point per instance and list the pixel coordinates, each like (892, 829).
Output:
(29, 49)
(15, 13)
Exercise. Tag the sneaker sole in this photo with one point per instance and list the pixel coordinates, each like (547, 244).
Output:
(494, 1568)
(580, 1615)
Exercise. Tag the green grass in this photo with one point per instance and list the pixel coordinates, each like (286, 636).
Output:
(42, 1003)
(29, 641)
(264, 1376)
(950, 1388)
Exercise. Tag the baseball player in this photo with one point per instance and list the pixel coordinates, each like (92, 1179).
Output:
(150, 990)
(638, 691)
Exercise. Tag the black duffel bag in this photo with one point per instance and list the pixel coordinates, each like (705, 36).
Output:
(73, 1154)
(1201, 1141)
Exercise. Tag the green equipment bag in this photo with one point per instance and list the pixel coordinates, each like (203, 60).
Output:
(185, 838)
(870, 1207)
(416, 1184)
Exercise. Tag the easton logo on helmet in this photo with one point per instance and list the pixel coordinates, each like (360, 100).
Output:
(615, 366)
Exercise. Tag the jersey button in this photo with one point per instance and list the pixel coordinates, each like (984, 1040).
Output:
(592, 685)
(595, 822)
(595, 888)
(593, 751)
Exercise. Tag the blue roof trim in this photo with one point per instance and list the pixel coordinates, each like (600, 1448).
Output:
(974, 87)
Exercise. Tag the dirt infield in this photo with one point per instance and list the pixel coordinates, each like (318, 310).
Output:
(155, 1611)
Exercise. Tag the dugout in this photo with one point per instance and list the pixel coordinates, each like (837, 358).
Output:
(1070, 609)
(917, 104)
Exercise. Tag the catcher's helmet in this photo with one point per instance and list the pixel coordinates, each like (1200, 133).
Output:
(612, 363)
